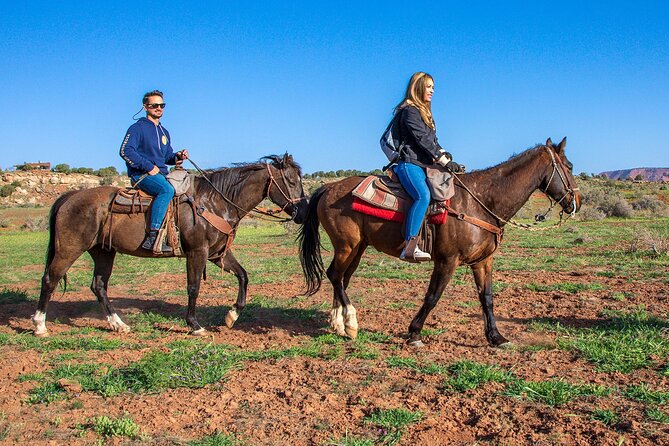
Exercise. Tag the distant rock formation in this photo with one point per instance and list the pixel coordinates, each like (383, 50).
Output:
(646, 173)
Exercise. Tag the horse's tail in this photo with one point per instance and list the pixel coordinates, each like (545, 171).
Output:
(310, 245)
(51, 249)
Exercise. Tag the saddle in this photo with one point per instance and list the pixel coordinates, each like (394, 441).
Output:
(135, 201)
(384, 197)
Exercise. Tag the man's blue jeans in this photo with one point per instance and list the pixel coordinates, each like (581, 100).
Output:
(413, 178)
(162, 192)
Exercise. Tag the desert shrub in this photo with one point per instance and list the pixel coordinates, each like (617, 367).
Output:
(7, 190)
(62, 168)
(646, 240)
(107, 172)
(4, 223)
(589, 213)
(106, 181)
(620, 208)
(652, 205)
(36, 224)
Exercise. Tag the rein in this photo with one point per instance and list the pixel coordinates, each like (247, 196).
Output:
(255, 209)
(569, 190)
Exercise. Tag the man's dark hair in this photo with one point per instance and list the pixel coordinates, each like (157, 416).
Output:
(151, 93)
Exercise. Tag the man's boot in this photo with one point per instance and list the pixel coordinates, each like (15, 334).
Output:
(150, 240)
(411, 252)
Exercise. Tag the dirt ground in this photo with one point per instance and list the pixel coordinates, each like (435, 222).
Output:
(316, 401)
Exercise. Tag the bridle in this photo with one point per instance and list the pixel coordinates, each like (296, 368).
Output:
(289, 199)
(559, 168)
(540, 217)
(255, 209)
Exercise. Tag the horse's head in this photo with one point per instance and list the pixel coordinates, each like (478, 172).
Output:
(559, 183)
(285, 186)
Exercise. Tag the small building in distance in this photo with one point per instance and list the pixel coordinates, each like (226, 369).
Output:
(34, 166)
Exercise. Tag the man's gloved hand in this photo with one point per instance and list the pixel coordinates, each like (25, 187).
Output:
(444, 159)
(455, 167)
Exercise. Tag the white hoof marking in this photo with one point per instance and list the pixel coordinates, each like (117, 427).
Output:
(117, 324)
(231, 318)
(337, 321)
(351, 321)
(39, 321)
(199, 332)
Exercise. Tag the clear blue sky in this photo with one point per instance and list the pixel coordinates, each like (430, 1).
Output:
(319, 79)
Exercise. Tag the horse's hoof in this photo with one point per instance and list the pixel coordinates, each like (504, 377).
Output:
(41, 334)
(416, 343)
(351, 332)
(199, 332)
(507, 345)
(231, 318)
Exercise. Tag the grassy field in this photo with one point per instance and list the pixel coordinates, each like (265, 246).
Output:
(587, 303)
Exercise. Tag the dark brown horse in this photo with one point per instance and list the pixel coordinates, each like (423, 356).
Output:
(77, 219)
(491, 197)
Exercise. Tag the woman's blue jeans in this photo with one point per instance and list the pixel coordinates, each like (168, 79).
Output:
(162, 192)
(413, 178)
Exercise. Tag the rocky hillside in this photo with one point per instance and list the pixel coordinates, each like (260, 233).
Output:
(42, 188)
(647, 173)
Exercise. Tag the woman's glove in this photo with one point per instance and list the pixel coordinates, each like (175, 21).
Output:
(455, 167)
(444, 159)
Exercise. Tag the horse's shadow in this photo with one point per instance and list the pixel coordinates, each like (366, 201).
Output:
(255, 318)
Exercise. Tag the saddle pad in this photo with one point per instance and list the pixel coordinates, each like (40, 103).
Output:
(438, 218)
(130, 201)
(382, 194)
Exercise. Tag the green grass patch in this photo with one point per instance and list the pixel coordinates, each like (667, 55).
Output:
(607, 416)
(567, 287)
(10, 296)
(643, 392)
(217, 439)
(555, 392)
(623, 343)
(115, 427)
(657, 415)
(146, 322)
(467, 375)
(392, 423)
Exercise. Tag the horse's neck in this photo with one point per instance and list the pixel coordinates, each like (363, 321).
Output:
(251, 194)
(505, 188)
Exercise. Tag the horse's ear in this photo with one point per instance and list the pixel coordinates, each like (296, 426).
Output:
(561, 146)
(549, 143)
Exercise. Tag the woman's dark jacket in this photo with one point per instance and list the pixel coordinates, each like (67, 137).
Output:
(420, 140)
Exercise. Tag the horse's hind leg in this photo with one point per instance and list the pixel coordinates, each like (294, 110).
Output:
(196, 260)
(104, 262)
(483, 279)
(441, 275)
(343, 318)
(54, 272)
(231, 265)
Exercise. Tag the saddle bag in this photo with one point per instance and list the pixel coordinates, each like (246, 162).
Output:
(180, 179)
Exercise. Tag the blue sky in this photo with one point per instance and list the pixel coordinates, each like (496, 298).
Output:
(320, 79)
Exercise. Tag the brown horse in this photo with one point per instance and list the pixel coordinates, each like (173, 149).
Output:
(77, 219)
(489, 198)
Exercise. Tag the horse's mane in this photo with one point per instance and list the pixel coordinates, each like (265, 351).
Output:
(231, 180)
(512, 159)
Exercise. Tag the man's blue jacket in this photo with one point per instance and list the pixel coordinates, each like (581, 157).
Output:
(146, 145)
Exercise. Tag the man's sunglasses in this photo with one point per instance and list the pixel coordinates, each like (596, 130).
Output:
(156, 105)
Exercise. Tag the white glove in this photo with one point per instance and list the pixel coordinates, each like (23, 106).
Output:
(443, 160)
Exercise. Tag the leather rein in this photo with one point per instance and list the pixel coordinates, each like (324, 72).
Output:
(558, 167)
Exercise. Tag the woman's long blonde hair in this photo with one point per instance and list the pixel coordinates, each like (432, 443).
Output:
(414, 96)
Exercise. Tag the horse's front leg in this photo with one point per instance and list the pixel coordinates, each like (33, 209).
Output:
(441, 275)
(230, 264)
(195, 263)
(483, 279)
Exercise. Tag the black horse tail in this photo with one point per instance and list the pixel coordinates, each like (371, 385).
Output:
(51, 249)
(310, 245)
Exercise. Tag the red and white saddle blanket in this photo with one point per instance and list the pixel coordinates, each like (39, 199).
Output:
(381, 197)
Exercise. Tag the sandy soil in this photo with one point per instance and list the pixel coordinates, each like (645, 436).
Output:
(306, 401)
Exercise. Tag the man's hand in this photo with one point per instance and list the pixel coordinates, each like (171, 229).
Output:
(154, 171)
(183, 154)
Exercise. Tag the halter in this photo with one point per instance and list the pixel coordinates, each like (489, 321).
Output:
(288, 198)
(570, 190)
(565, 183)
(255, 209)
